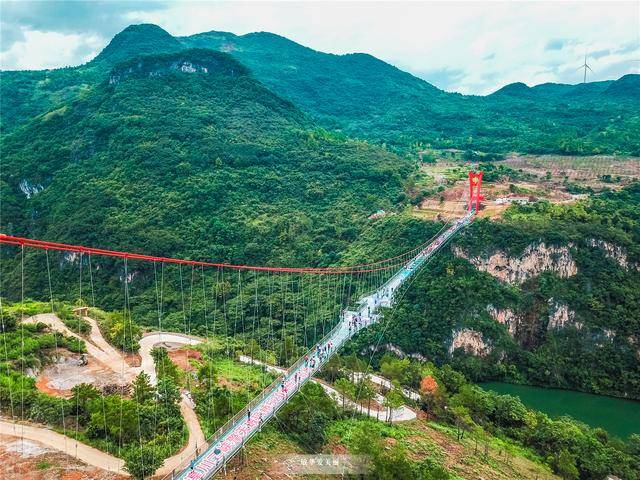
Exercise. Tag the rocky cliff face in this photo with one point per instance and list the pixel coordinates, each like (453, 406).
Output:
(536, 259)
(560, 316)
(615, 252)
(470, 341)
(506, 317)
(189, 62)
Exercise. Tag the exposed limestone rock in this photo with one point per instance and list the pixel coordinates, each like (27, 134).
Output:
(28, 189)
(506, 317)
(470, 341)
(560, 316)
(634, 342)
(614, 252)
(535, 260)
(397, 351)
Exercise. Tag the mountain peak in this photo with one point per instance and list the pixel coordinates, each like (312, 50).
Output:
(515, 89)
(626, 86)
(135, 40)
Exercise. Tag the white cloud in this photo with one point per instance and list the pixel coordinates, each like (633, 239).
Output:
(471, 47)
(41, 50)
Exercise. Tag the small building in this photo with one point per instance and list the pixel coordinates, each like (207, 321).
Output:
(509, 200)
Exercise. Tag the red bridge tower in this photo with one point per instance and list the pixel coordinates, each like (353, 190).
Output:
(475, 182)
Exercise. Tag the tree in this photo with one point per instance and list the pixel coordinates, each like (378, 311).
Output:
(142, 462)
(82, 395)
(354, 364)
(392, 400)
(461, 419)
(332, 369)
(143, 391)
(168, 396)
(565, 466)
(346, 389)
(113, 417)
(366, 392)
(394, 368)
(208, 374)
(307, 415)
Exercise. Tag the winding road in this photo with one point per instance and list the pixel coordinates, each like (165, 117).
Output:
(401, 414)
(106, 354)
(89, 455)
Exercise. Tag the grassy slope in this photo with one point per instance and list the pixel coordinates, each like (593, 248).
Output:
(420, 438)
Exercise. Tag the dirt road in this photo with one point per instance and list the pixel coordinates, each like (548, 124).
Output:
(96, 345)
(87, 454)
(102, 351)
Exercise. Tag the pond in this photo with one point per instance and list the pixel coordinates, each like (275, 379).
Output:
(618, 416)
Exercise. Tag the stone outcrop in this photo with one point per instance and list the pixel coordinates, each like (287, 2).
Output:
(398, 352)
(29, 190)
(505, 317)
(535, 259)
(615, 252)
(470, 341)
(195, 61)
(560, 316)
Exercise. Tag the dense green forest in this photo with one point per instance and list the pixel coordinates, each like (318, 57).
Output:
(365, 97)
(203, 165)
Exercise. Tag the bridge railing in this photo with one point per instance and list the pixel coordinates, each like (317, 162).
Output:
(242, 413)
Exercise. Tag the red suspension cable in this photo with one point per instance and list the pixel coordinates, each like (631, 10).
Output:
(28, 242)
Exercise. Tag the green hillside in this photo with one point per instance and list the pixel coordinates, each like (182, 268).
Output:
(593, 350)
(365, 97)
(187, 154)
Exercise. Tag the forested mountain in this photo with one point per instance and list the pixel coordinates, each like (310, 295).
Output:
(187, 154)
(253, 149)
(365, 97)
(548, 296)
(369, 98)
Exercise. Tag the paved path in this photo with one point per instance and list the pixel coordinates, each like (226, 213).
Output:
(233, 435)
(402, 414)
(187, 408)
(386, 383)
(150, 340)
(82, 451)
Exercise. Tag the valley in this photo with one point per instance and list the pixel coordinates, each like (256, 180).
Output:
(194, 226)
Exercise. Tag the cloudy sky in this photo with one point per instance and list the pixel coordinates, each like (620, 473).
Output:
(468, 47)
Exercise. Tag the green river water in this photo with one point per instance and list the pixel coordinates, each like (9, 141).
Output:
(618, 416)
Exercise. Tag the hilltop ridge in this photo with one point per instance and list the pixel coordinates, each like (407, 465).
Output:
(362, 96)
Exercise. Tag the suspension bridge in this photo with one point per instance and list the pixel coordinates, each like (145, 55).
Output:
(344, 300)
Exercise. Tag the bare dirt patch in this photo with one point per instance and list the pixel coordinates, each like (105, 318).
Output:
(233, 386)
(133, 359)
(183, 357)
(30, 460)
(60, 377)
